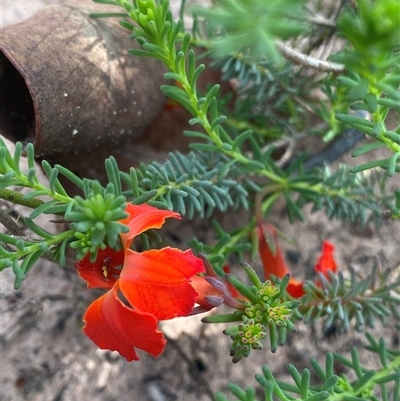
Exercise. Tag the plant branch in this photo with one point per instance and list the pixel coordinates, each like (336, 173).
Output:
(308, 61)
(18, 197)
(9, 224)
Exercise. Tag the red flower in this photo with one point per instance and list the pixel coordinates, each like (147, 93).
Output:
(326, 261)
(274, 263)
(143, 288)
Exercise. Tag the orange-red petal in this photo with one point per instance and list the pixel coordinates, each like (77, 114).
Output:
(273, 263)
(158, 281)
(295, 288)
(142, 218)
(99, 273)
(112, 325)
(326, 262)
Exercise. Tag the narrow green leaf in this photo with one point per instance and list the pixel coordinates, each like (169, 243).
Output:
(53, 180)
(5, 262)
(154, 180)
(42, 208)
(388, 378)
(273, 337)
(180, 96)
(295, 374)
(144, 53)
(212, 93)
(367, 148)
(176, 77)
(237, 142)
(108, 15)
(253, 164)
(148, 195)
(364, 379)
(207, 198)
(226, 146)
(61, 252)
(194, 121)
(243, 289)
(226, 318)
(320, 396)
(255, 147)
(30, 155)
(32, 177)
(356, 122)
(354, 398)
(204, 147)
(111, 2)
(199, 70)
(34, 194)
(329, 383)
(393, 136)
(34, 257)
(391, 168)
(390, 91)
(369, 165)
(293, 210)
(113, 174)
(218, 121)
(305, 383)
(393, 104)
(134, 182)
(19, 275)
(17, 156)
(348, 82)
(70, 176)
(185, 44)
(318, 369)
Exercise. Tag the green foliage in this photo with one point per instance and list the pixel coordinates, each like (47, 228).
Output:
(11, 174)
(95, 220)
(277, 88)
(380, 384)
(189, 184)
(339, 300)
(372, 31)
(21, 253)
(252, 27)
(373, 78)
(265, 313)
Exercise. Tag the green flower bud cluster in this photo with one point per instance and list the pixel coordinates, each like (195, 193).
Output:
(264, 314)
(95, 222)
(271, 310)
(246, 336)
(267, 291)
(84, 244)
(279, 314)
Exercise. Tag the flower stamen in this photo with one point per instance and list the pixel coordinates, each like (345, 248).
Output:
(105, 267)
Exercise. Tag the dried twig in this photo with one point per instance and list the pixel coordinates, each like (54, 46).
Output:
(10, 224)
(307, 61)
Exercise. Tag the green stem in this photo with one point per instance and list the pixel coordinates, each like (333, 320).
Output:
(36, 245)
(370, 384)
(18, 197)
